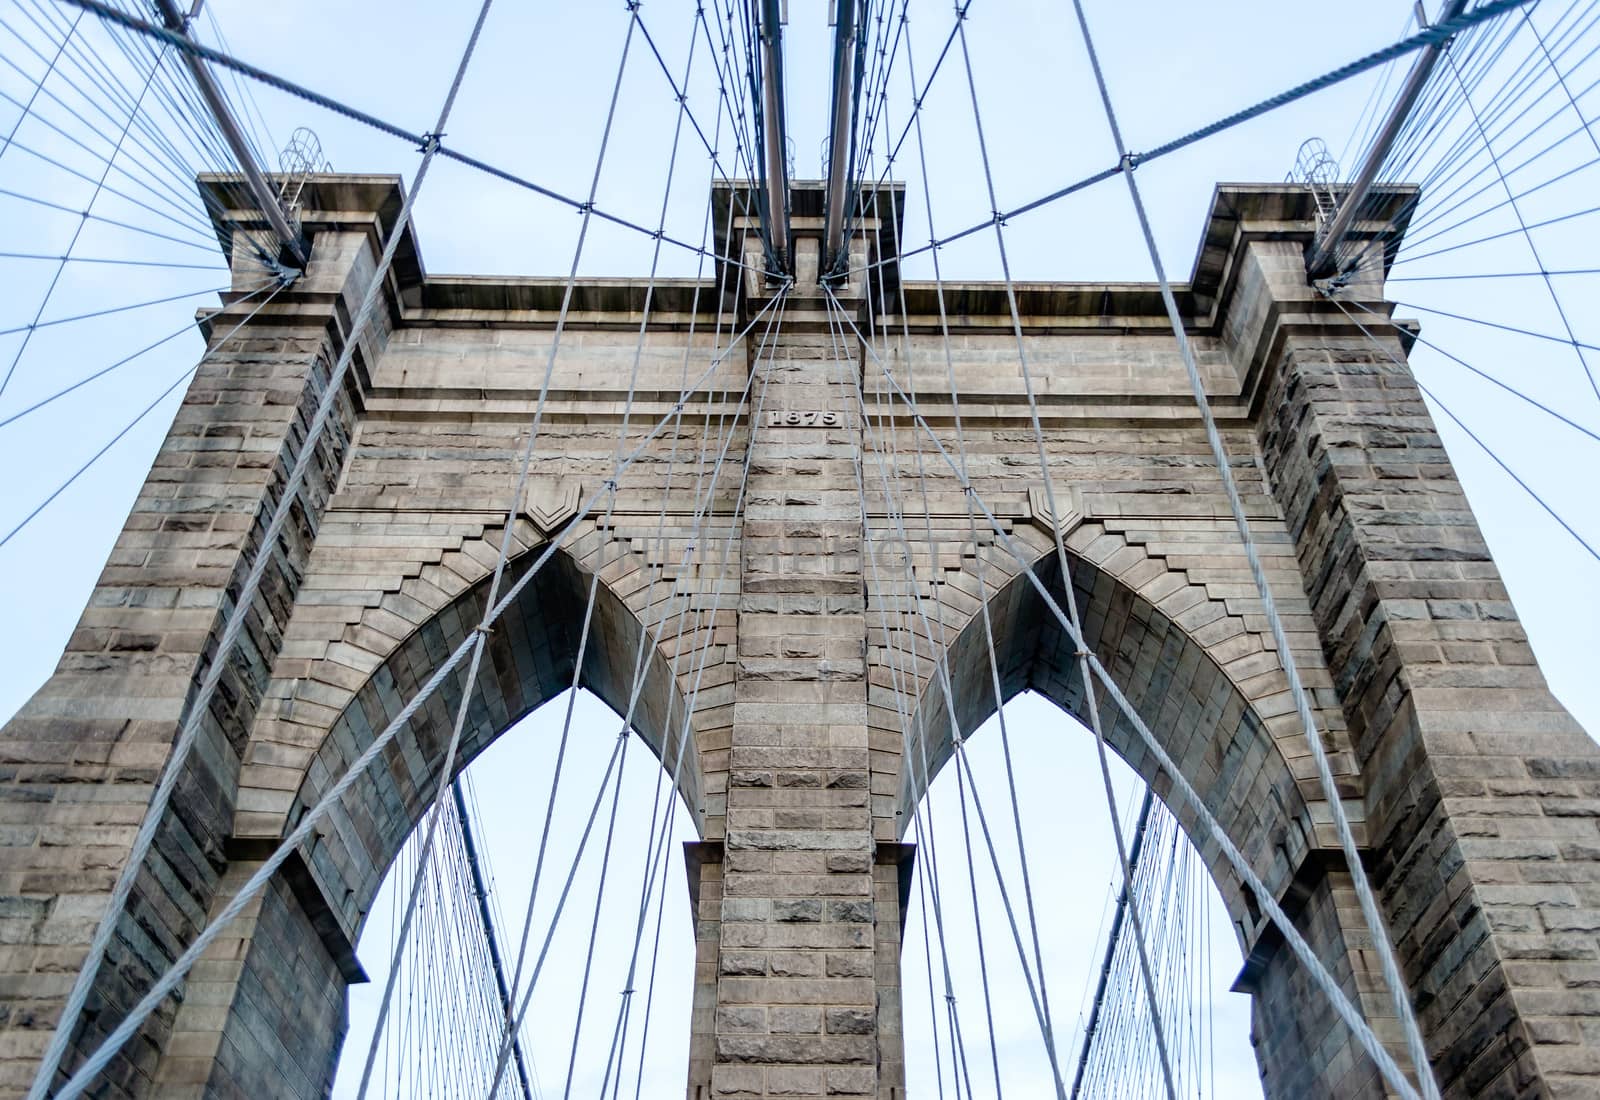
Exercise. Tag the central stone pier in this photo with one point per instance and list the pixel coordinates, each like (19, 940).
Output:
(804, 945)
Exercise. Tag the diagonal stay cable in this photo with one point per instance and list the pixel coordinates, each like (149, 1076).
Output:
(1041, 997)
(187, 326)
(538, 964)
(77, 232)
(1090, 704)
(884, 436)
(904, 678)
(1498, 461)
(914, 750)
(649, 637)
(681, 95)
(919, 98)
(733, 343)
(647, 634)
(172, 165)
(940, 659)
(1461, 164)
(200, 706)
(1572, 101)
(1124, 896)
(190, 219)
(481, 632)
(703, 617)
(1527, 235)
(1485, 375)
(36, 325)
(38, 87)
(675, 596)
(1512, 474)
(192, 224)
(259, 880)
(980, 570)
(1552, 273)
(1369, 906)
(205, 246)
(427, 141)
(702, 658)
(1487, 239)
(128, 427)
(1204, 819)
(219, 267)
(1438, 32)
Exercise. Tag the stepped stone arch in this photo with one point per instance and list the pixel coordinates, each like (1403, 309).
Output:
(1208, 683)
(316, 702)
(528, 660)
(1208, 695)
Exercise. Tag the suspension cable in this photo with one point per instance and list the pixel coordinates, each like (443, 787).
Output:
(243, 605)
(1369, 906)
(1437, 32)
(431, 141)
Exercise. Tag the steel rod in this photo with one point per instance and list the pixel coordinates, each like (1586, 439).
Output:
(260, 189)
(773, 133)
(839, 135)
(1324, 253)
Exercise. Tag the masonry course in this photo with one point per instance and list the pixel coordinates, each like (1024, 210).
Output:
(806, 648)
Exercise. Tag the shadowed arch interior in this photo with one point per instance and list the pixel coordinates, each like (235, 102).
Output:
(1203, 719)
(529, 660)
(1206, 722)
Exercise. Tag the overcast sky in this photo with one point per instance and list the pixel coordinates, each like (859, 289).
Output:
(533, 102)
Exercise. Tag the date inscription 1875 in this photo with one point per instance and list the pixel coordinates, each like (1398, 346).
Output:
(797, 418)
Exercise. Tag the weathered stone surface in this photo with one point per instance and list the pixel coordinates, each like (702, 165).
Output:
(810, 621)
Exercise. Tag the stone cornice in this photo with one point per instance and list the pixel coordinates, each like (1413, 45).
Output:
(1240, 214)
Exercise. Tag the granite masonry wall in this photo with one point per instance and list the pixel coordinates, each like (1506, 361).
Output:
(791, 564)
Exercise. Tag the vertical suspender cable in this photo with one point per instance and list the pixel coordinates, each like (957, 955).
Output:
(1369, 906)
(480, 894)
(200, 707)
(1091, 707)
(1204, 819)
(481, 632)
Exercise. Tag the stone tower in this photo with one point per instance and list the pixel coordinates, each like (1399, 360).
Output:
(1474, 794)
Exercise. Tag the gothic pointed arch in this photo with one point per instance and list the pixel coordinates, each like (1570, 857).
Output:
(1198, 666)
(530, 656)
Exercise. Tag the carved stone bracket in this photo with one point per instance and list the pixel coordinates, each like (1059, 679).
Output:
(1069, 499)
(551, 505)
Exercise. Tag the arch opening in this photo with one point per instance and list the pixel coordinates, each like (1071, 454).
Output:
(1207, 720)
(1206, 682)
(1075, 884)
(440, 1035)
(528, 661)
